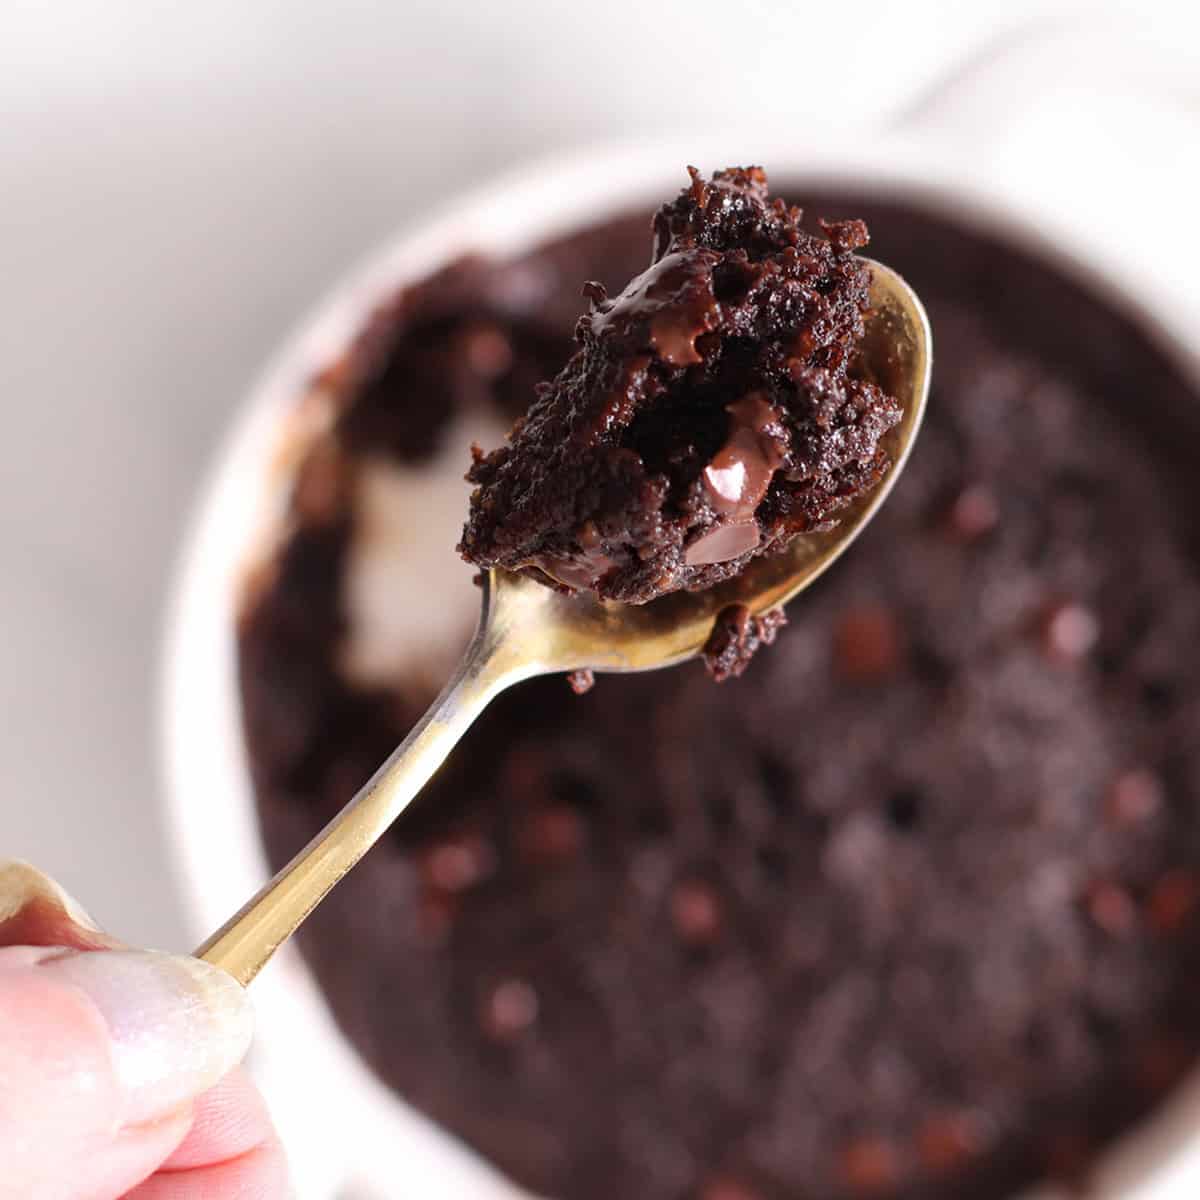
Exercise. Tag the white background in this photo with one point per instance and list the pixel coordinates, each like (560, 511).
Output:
(179, 182)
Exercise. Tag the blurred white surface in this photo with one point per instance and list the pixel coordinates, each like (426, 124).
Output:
(178, 183)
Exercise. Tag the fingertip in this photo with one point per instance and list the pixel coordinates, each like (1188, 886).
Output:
(231, 1120)
(259, 1174)
(231, 1150)
(173, 1026)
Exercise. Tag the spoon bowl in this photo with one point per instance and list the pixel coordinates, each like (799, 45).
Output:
(526, 629)
(567, 633)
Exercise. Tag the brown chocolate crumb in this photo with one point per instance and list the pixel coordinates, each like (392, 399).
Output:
(1172, 901)
(974, 513)
(458, 862)
(869, 1166)
(1111, 908)
(948, 1142)
(509, 1010)
(735, 638)
(1135, 796)
(581, 681)
(1068, 631)
(845, 235)
(696, 913)
(867, 644)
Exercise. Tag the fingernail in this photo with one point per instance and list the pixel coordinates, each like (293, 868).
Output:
(23, 886)
(177, 1024)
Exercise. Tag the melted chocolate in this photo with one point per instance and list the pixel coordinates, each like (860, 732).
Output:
(578, 571)
(668, 306)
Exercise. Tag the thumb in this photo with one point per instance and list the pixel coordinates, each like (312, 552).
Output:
(101, 1053)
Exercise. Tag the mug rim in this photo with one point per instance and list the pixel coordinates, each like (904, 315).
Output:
(202, 749)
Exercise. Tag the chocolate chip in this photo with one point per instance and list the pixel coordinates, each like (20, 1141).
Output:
(973, 514)
(458, 862)
(553, 834)
(1135, 796)
(696, 913)
(728, 1188)
(869, 1166)
(581, 681)
(1069, 630)
(1111, 908)
(948, 1141)
(867, 644)
(510, 1008)
(1172, 901)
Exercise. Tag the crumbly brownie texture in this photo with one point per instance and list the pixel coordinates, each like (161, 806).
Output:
(706, 417)
(736, 637)
(908, 910)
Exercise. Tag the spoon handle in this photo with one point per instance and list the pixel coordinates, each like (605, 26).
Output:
(245, 943)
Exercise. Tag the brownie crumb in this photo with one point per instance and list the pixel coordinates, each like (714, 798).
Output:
(581, 681)
(736, 636)
(708, 416)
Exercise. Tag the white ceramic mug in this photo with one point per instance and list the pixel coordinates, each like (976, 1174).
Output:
(348, 1135)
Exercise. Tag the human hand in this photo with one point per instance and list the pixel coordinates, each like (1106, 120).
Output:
(118, 1067)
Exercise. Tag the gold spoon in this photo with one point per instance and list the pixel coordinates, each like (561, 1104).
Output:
(525, 629)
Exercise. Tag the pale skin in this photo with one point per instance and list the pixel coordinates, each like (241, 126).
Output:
(73, 1125)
